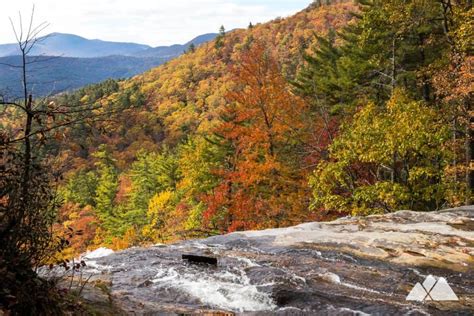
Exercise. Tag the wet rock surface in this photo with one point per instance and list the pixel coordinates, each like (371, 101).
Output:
(353, 266)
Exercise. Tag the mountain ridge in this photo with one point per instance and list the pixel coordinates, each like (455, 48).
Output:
(65, 72)
(176, 49)
(71, 45)
(76, 46)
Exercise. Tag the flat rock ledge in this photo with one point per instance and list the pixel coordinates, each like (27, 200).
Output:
(351, 266)
(443, 239)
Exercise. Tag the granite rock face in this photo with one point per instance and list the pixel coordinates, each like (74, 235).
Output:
(438, 239)
(352, 266)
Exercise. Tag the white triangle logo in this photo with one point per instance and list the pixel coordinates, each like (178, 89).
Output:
(418, 293)
(443, 292)
(432, 289)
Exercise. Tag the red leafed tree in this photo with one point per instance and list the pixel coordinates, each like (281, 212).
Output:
(78, 226)
(263, 184)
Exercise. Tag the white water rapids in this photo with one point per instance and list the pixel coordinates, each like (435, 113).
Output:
(354, 266)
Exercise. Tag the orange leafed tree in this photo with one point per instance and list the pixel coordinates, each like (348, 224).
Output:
(261, 126)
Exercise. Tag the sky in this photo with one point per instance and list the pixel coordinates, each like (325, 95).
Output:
(152, 22)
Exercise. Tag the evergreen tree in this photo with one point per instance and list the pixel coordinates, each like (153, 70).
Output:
(318, 79)
(81, 188)
(191, 48)
(222, 31)
(219, 42)
(391, 45)
(107, 187)
(152, 173)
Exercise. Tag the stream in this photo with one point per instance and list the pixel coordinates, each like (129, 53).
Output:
(353, 266)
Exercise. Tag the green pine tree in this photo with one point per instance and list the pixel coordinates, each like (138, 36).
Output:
(107, 187)
(219, 42)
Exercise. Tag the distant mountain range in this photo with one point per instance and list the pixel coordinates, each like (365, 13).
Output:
(175, 50)
(79, 61)
(70, 45)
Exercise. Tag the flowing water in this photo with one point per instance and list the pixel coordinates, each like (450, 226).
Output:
(277, 281)
(257, 274)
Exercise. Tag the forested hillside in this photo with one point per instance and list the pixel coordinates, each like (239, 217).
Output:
(53, 75)
(341, 109)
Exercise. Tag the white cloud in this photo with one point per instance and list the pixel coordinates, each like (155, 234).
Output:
(153, 22)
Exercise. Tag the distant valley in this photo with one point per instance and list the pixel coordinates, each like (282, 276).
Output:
(64, 62)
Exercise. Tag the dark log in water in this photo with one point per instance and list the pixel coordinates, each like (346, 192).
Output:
(200, 259)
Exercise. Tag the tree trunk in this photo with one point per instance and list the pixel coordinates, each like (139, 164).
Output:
(27, 157)
(468, 144)
(28, 100)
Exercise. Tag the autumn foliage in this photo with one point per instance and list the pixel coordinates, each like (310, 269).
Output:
(340, 109)
(260, 127)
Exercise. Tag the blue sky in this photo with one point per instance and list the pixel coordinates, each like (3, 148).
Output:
(152, 22)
